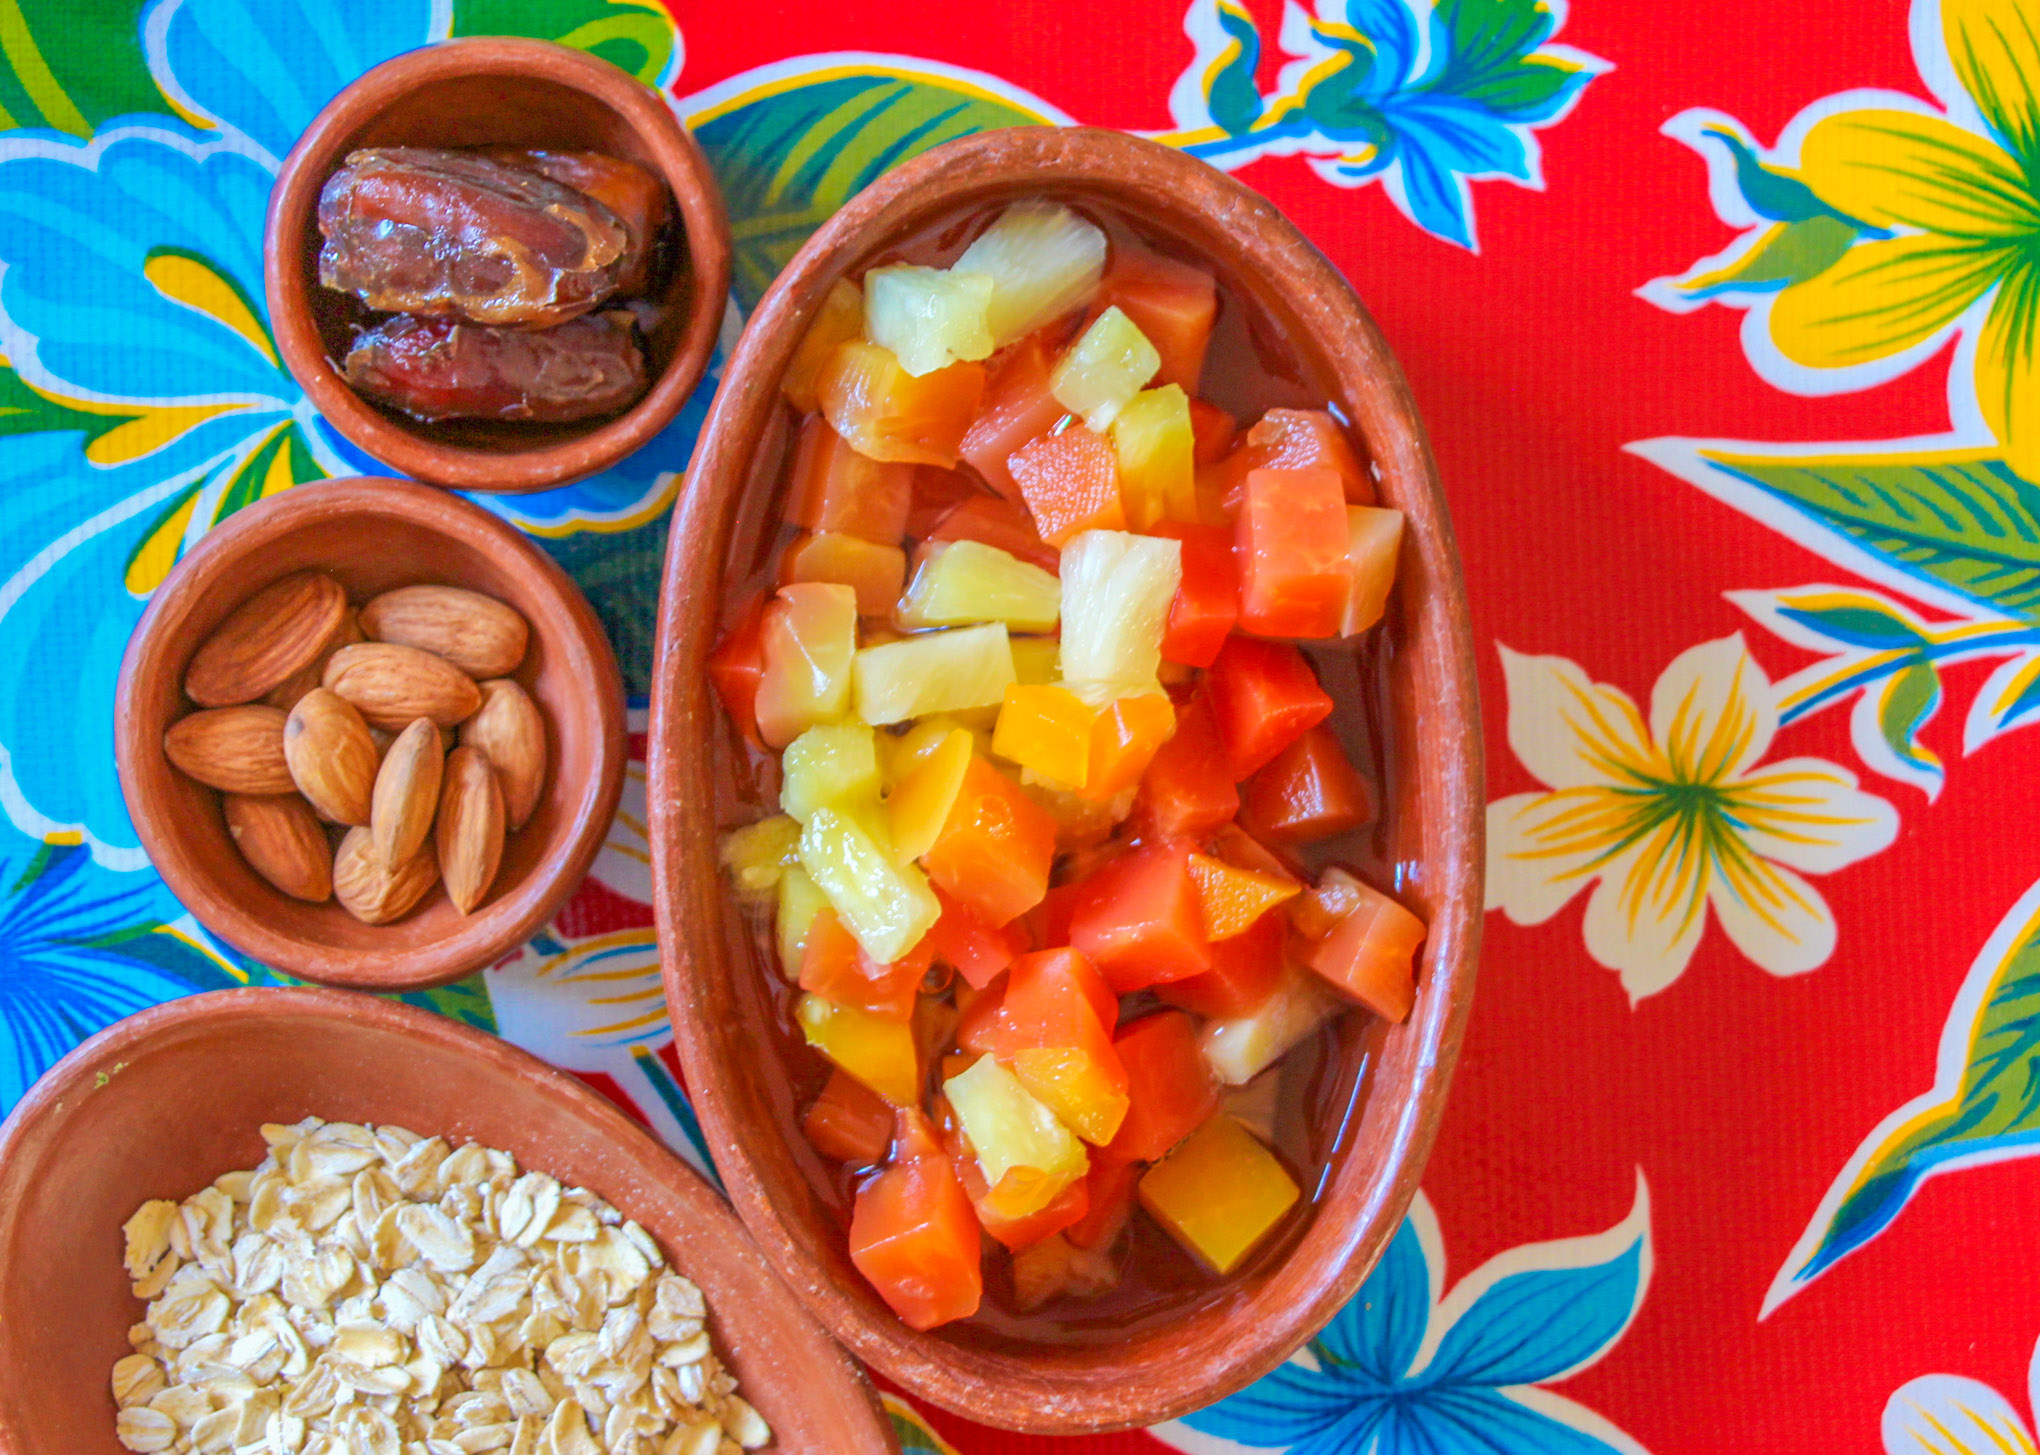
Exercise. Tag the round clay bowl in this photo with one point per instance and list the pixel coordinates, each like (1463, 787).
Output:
(373, 535)
(495, 91)
(162, 1103)
(1209, 1347)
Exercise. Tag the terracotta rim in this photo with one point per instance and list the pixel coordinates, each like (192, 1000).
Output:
(75, 1076)
(294, 199)
(1046, 1389)
(498, 926)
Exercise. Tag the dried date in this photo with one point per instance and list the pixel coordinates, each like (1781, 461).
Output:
(638, 198)
(459, 234)
(442, 368)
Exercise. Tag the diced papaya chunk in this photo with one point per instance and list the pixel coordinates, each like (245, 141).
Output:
(1170, 1089)
(1054, 1031)
(995, 851)
(1070, 482)
(1018, 408)
(977, 951)
(835, 967)
(1310, 790)
(1138, 922)
(875, 572)
(1263, 697)
(879, 1052)
(807, 642)
(1125, 736)
(849, 1122)
(1188, 789)
(921, 801)
(737, 664)
(1296, 439)
(1371, 955)
(1291, 547)
(913, 1234)
(998, 523)
(1207, 603)
(836, 489)
(887, 414)
(1245, 971)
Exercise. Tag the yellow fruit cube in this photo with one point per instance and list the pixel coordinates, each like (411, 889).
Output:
(800, 900)
(1048, 730)
(1026, 1154)
(832, 765)
(1157, 458)
(839, 320)
(928, 317)
(757, 855)
(921, 802)
(945, 671)
(886, 905)
(878, 1052)
(1219, 1193)
(1104, 369)
(961, 582)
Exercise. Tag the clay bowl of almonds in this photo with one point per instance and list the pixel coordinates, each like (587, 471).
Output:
(497, 264)
(370, 735)
(325, 1222)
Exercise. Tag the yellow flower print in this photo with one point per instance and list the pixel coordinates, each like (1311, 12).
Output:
(1670, 818)
(1963, 209)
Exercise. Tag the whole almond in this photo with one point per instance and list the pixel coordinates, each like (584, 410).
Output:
(509, 728)
(373, 892)
(233, 749)
(477, 633)
(332, 757)
(278, 631)
(394, 684)
(406, 792)
(470, 828)
(281, 839)
(286, 694)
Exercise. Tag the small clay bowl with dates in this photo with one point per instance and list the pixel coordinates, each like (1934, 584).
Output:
(496, 91)
(374, 535)
(162, 1103)
(1390, 1080)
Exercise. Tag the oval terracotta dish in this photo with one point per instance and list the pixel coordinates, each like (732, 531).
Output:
(161, 1104)
(495, 91)
(373, 535)
(1207, 1345)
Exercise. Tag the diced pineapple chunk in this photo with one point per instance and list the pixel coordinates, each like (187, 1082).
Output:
(928, 317)
(901, 754)
(1102, 372)
(961, 582)
(1156, 449)
(834, 765)
(800, 900)
(878, 1052)
(1026, 1154)
(920, 805)
(1036, 660)
(1373, 537)
(1219, 1193)
(807, 642)
(944, 671)
(839, 320)
(885, 904)
(1117, 589)
(1241, 1047)
(758, 853)
(1043, 261)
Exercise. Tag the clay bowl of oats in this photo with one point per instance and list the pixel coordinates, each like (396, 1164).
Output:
(370, 735)
(356, 1215)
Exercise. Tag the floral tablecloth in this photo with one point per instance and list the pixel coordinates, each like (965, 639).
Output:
(1726, 322)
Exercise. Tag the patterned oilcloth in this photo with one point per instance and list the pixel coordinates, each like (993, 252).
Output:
(1725, 319)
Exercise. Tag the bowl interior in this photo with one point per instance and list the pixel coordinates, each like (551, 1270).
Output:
(372, 537)
(1377, 1092)
(163, 1112)
(501, 110)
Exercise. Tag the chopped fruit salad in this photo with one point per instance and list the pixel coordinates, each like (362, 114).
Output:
(1035, 674)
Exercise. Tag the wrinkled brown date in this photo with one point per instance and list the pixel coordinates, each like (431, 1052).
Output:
(448, 233)
(442, 368)
(638, 199)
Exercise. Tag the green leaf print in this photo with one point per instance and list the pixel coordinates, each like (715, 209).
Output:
(1966, 524)
(466, 1001)
(788, 158)
(68, 66)
(1985, 1105)
(634, 35)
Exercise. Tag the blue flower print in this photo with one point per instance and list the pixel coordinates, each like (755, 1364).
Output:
(142, 398)
(1401, 1371)
(79, 949)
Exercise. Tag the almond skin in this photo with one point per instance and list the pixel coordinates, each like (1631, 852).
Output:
(406, 792)
(332, 757)
(510, 729)
(470, 831)
(286, 694)
(371, 891)
(394, 685)
(281, 839)
(275, 633)
(233, 749)
(477, 633)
